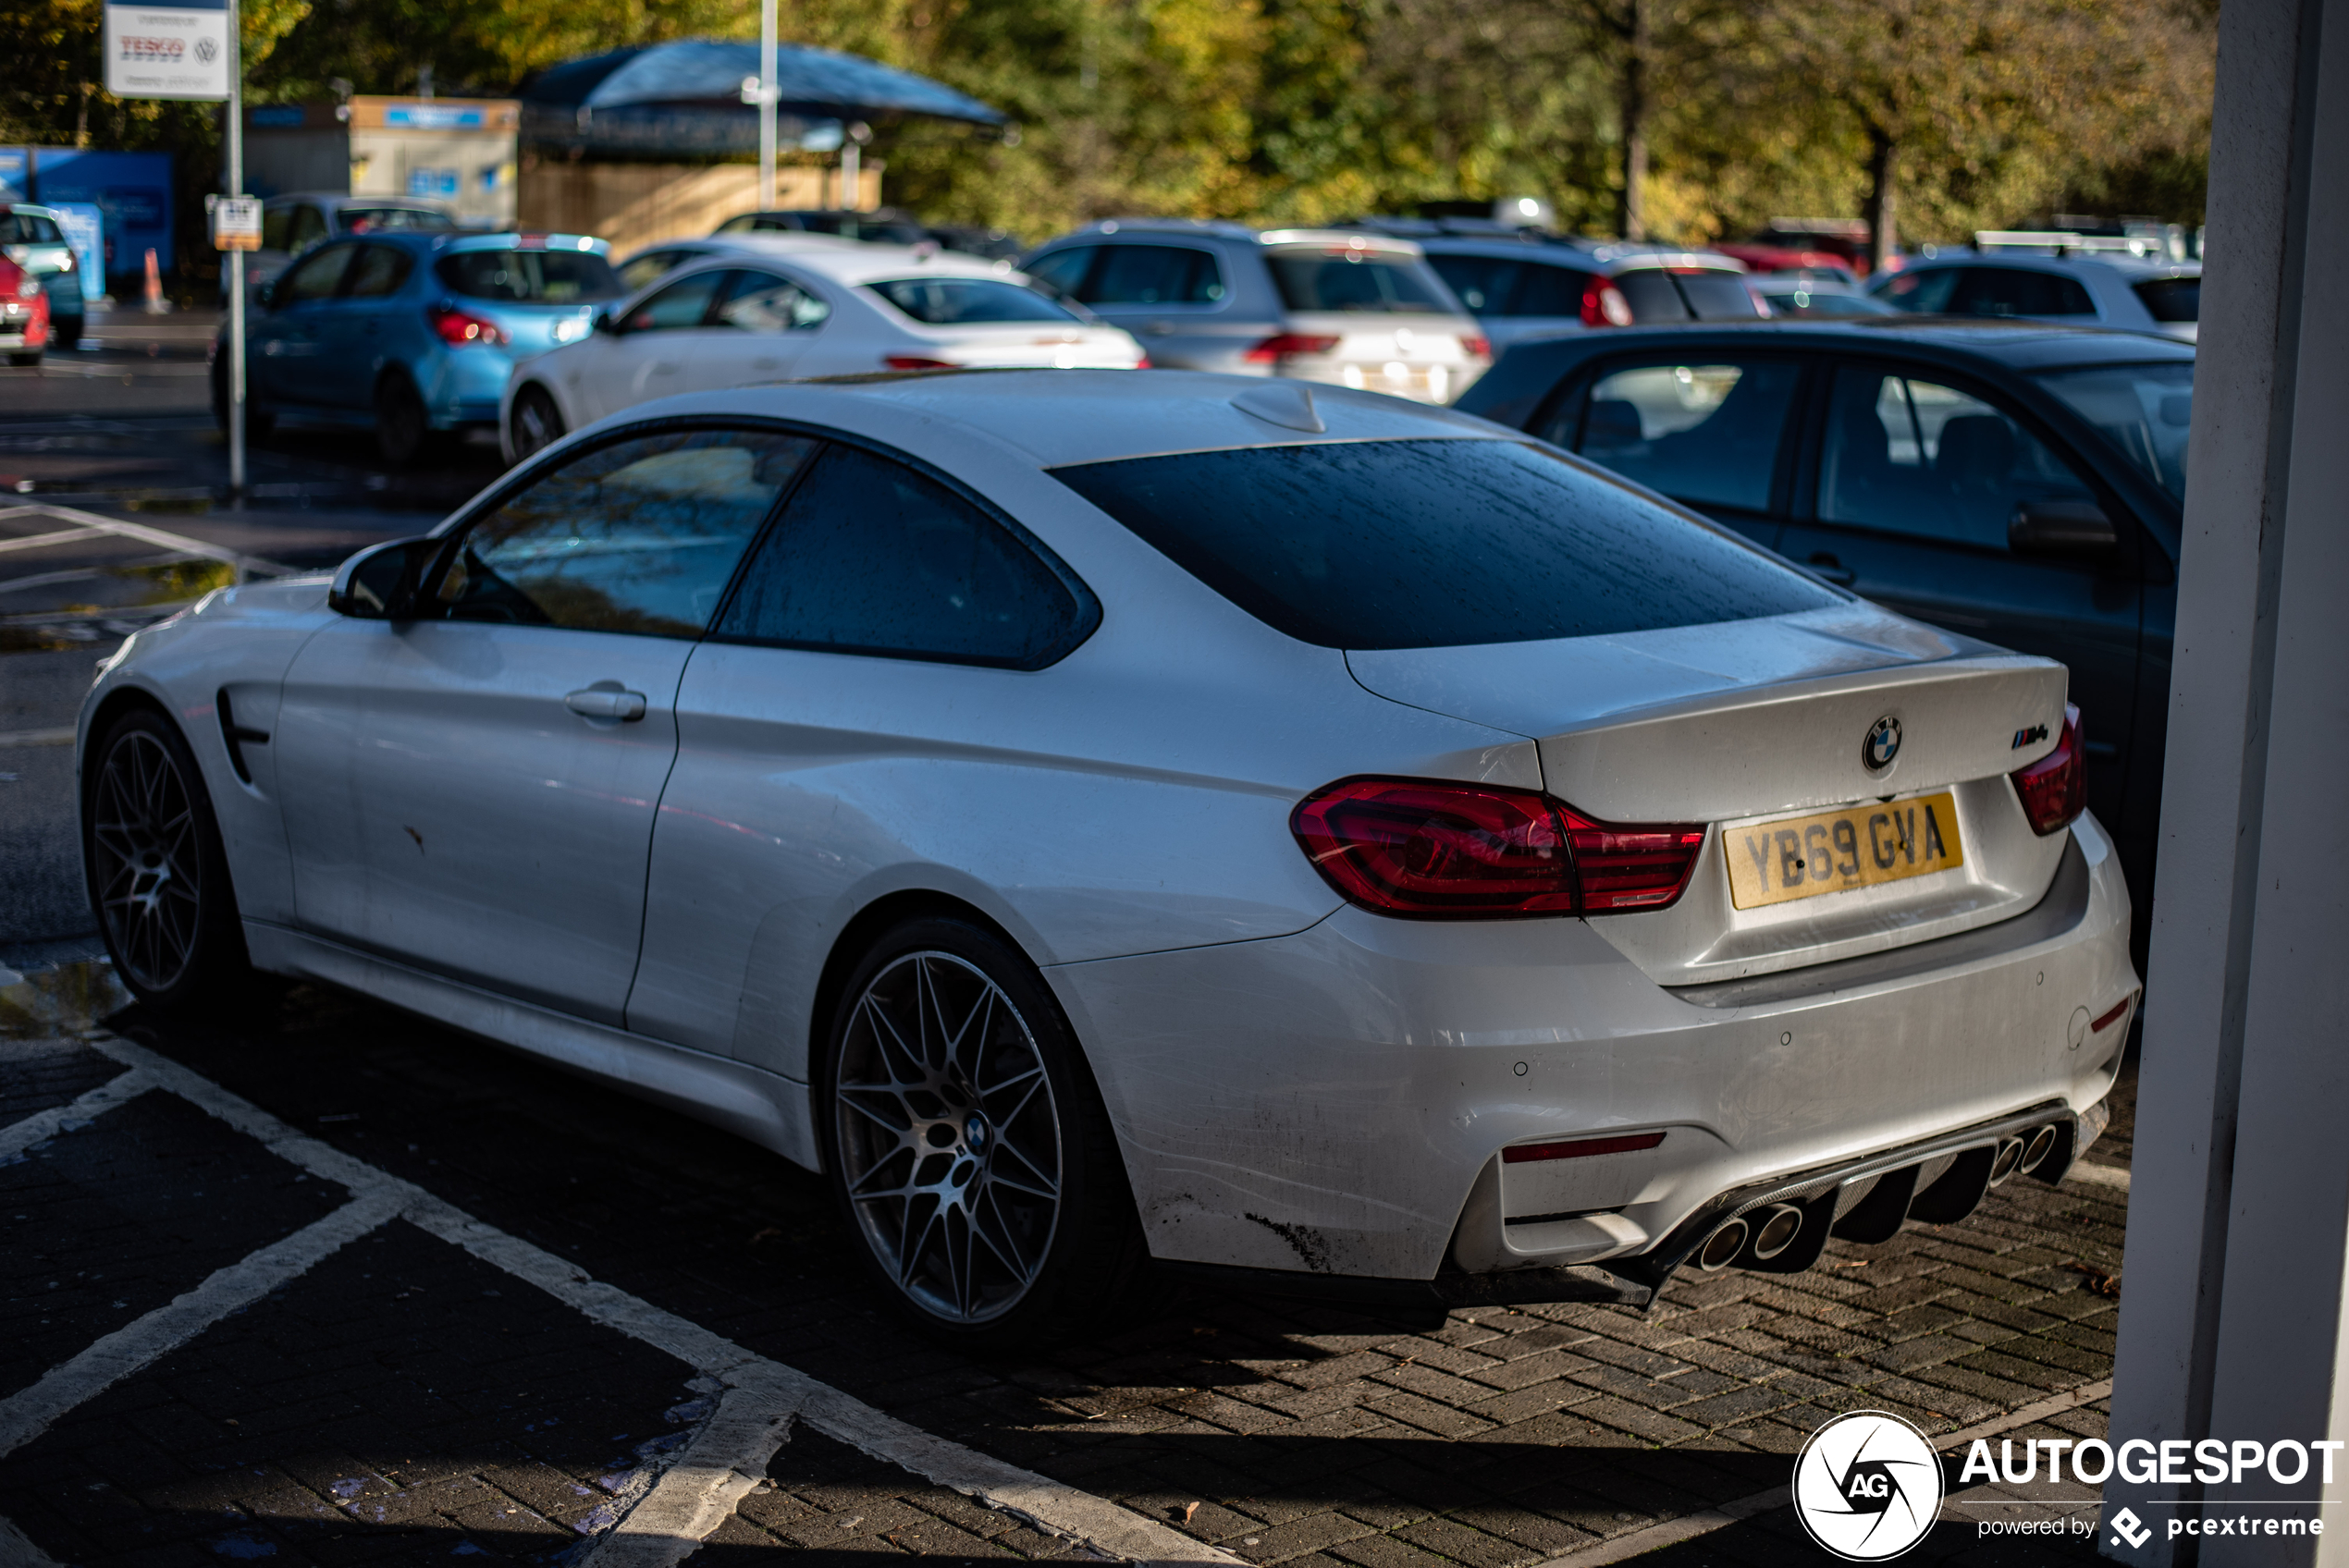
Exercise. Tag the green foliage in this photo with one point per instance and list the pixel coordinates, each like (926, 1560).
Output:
(1306, 110)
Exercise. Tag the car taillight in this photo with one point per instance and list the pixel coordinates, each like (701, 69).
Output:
(1474, 852)
(1476, 348)
(1603, 305)
(1280, 345)
(915, 362)
(463, 329)
(2055, 788)
(1142, 363)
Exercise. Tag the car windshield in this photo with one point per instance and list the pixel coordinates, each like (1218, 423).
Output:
(958, 302)
(375, 220)
(1823, 302)
(1434, 544)
(530, 278)
(1349, 279)
(2143, 409)
(27, 228)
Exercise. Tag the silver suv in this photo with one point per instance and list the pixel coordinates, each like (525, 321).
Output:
(1344, 309)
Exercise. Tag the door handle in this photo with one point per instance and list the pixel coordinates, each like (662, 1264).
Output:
(607, 701)
(1833, 571)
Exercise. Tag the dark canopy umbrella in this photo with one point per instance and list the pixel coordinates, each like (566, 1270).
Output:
(666, 99)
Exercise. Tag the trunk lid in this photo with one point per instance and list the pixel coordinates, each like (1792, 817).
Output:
(1752, 723)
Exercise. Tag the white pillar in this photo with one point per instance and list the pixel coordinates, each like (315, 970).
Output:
(2232, 1307)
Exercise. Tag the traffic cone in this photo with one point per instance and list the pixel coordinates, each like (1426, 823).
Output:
(156, 305)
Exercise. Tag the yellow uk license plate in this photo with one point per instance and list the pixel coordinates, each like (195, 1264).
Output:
(1832, 852)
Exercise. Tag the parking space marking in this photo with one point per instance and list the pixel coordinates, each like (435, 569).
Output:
(727, 1459)
(27, 1413)
(42, 1125)
(87, 523)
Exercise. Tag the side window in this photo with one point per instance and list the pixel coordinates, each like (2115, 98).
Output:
(1917, 458)
(681, 304)
(1155, 275)
(1649, 292)
(1063, 271)
(380, 273)
(2019, 291)
(759, 301)
(1927, 292)
(309, 227)
(873, 557)
(641, 270)
(640, 535)
(1705, 434)
(1718, 296)
(276, 227)
(1549, 291)
(1483, 283)
(2172, 299)
(316, 278)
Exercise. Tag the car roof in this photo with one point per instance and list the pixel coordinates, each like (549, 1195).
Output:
(345, 199)
(2037, 261)
(2022, 345)
(35, 208)
(424, 240)
(1607, 256)
(1080, 416)
(855, 262)
(1222, 228)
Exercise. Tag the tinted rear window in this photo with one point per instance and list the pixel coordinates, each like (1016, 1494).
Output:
(2172, 299)
(1434, 544)
(27, 228)
(530, 278)
(951, 302)
(375, 220)
(1355, 280)
(1649, 292)
(1718, 295)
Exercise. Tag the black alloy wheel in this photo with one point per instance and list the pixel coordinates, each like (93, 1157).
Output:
(537, 424)
(966, 1144)
(157, 872)
(403, 425)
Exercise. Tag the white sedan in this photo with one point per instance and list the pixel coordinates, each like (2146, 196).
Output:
(1289, 834)
(742, 311)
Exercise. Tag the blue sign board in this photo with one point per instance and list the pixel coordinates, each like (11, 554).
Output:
(83, 223)
(433, 117)
(133, 191)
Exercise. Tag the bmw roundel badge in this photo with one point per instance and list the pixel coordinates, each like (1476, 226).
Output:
(1882, 746)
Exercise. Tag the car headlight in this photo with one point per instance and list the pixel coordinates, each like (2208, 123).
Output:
(68, 264)
(28, 287)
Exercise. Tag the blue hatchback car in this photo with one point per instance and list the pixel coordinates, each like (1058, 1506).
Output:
(2020, 483)
(411, 334)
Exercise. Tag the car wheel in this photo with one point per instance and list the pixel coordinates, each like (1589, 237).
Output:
(402, 427)
(537, 424)
(26, 359)
(65, 333)
(966, 1144)
(259, 422)
(157, 872)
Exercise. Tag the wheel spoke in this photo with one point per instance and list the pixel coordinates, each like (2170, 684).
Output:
(1027, 1178)
(851, 1097)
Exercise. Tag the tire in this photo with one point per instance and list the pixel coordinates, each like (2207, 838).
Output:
(403, 429)
(25, 360)
(994, 1218)
(65, 331)
(536, 423)
(259, 422)
(157, 873)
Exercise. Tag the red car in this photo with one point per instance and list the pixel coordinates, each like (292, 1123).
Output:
(24, 315)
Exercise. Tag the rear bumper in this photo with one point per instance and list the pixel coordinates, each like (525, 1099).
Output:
(1334, 1102)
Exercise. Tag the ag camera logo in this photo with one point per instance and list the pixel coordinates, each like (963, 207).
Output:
(1867, 1486)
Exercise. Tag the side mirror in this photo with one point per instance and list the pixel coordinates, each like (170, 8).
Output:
(265, 296)
(2067, 529)
(603, 324)
(379, 582)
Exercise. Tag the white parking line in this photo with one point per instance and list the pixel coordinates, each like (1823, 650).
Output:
(27, 1413)
(698, 1491)
(86, 524)
(2113, 1176)
(42, 1125)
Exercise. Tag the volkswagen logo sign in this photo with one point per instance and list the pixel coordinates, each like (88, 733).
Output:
(206, 49)
(1882, 746)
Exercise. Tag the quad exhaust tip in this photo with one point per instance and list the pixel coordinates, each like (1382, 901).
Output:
(2002, 1164)
(2036, 1152)
(1778, 1227)
(1721, 1246)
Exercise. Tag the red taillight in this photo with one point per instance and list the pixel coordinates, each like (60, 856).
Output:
(2055, 788)
(463, 329)
(1142, 363)
(1603, 305)
(1282, 344)
(1476, 348)
(1473, 851)
(1578, 1149)
(915, 362)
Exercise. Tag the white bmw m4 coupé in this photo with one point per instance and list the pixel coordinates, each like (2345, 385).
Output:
(1103, 820)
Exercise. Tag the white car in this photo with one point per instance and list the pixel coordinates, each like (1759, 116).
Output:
(763, 310)
(1292, 835)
